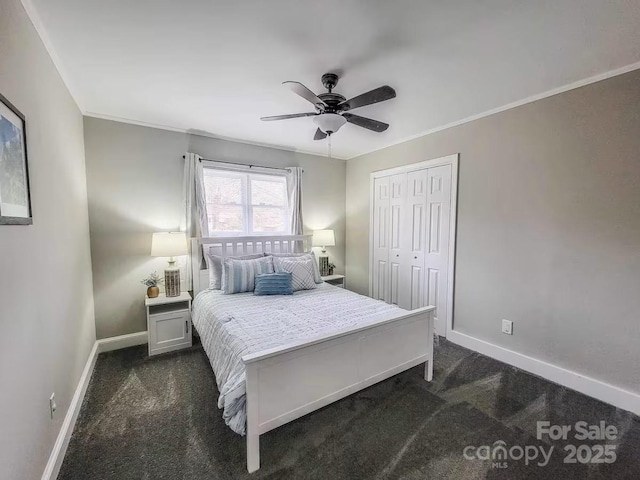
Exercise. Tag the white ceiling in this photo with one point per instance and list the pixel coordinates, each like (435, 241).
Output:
(217, 65)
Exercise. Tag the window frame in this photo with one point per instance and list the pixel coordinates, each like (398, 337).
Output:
(246, 175)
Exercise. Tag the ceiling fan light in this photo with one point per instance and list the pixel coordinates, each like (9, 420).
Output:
(329, 122)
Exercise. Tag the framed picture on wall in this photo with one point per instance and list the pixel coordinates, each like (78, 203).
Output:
(15, 199)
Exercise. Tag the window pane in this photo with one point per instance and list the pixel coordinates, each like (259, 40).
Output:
(268, 219)
(265, 192)
(225, 218)
(232, 211)
(223, 190)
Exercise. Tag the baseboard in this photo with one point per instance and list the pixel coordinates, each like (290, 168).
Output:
(62, 442)
(122, 341)
(605, 392)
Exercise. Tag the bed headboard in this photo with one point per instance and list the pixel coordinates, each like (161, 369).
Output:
(233, 246)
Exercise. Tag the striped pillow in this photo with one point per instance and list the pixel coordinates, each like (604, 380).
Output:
(273, 284)
(214, 262)
(239, 275)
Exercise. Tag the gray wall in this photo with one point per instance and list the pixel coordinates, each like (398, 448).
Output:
(134, 177)
(548, 226)
(46, 299)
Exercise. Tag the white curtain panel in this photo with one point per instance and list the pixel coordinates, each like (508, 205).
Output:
(294, 190)
(194, 206)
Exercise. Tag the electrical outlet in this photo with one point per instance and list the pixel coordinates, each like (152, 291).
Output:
(507, 327)
(52, 404)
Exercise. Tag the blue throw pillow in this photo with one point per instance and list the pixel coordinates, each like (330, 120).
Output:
(273, 284)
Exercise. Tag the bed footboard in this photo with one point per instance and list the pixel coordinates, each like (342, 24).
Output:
(288, 382)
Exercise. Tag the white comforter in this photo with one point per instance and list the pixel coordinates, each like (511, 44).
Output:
(231, 326)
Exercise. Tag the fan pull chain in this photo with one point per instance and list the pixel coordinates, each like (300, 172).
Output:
(329, 142)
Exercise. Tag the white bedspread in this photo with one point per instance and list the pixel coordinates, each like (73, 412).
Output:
(231, 326)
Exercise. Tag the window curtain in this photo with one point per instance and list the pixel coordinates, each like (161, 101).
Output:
(294, 191)
(194, 206)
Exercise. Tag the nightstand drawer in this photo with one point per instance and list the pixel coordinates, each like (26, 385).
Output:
(168, 307)
(169, 331)
(335, 280)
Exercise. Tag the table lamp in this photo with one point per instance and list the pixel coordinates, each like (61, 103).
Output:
(323, 238)
(170, 244)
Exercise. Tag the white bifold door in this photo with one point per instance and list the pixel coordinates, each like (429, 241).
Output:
(411, 227)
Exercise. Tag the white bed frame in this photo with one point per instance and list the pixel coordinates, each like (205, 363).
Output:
(290, 381)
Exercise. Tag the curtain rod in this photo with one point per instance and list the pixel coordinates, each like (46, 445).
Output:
(244, 164)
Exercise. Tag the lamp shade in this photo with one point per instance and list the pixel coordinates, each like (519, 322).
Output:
(329, 122)
(324, 238)
(168, 244)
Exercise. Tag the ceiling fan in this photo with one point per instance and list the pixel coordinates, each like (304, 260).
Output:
(332, 109)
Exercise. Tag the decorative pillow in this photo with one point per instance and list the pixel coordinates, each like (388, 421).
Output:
(316, 270)
(273, 284)
(300, 268)
(239, 275)
(215, 267)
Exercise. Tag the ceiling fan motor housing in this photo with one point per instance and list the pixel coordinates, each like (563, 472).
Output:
(331, 100)
(329, 80)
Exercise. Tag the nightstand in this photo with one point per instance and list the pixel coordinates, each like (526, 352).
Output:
(337, 280)
(168, 323)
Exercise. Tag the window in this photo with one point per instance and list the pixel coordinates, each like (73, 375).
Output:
(241, 203)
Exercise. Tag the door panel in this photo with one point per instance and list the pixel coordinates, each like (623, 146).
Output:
(437, 251)
(433, 278)
(417, 295)
(381, 232)
(435, 226)
(398, 189)
(399, 257)
(417, 227)
(381, 285)
(396, 232)
(415, 246)
(395, 281)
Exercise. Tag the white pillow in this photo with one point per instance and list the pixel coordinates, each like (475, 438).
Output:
(300, 268)
(316, 271)
(239, 275)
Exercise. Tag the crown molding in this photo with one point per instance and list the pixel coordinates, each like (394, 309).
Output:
(138, 123)
(202, 133)
(33, 15)
(509, 106)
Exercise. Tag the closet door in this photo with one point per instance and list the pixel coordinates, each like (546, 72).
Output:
(381, 234)
(398, 254)
(438, 210)
(416, 204)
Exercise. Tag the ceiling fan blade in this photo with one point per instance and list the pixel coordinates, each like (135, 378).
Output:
(364, 122)
(304, 92)
(286, 117)
(376, 95)
(319, 135)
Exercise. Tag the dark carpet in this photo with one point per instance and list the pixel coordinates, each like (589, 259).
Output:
(156, 418)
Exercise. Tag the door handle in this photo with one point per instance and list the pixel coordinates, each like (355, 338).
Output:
(397, 255)
(186, 327)
(415, 258)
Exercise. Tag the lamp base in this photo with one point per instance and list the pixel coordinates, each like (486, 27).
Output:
(172, 282)
(324, 265)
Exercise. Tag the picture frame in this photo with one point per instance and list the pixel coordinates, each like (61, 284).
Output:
(15, 195)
